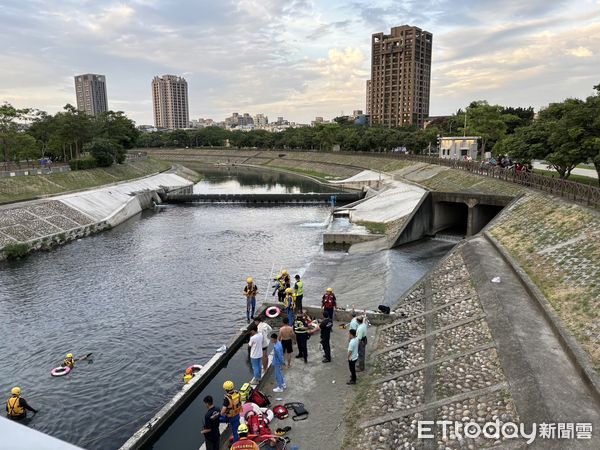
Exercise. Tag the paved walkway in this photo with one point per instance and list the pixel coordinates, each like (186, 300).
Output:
(323, 390)
(546, 385)
(576, 171)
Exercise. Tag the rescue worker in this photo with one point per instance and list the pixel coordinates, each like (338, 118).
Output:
(328, 303)
(250, 291)
(17, 406)
(283, 282)
(289, 303)
(232, 407)
(299, 292)
(244, 443)
(301, 331)
(188, 375)
(326, 325)
(69, 361)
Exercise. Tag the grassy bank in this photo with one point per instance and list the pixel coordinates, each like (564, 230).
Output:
(32, 187)
(558, 245)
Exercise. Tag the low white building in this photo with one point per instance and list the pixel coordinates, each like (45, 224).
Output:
(459, 147)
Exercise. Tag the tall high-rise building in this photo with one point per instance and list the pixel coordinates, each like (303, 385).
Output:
(400, 77)
(368, 109)
(90, 90)
(170, 102)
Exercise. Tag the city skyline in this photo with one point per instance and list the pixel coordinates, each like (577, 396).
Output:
(297, 60)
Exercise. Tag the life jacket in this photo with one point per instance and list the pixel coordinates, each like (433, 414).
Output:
(14, 407)
(187, 378)
(235, 404)
(250, 289)
(300, 327)
(70, 363)
(289, 301)
(300, 290)
(244, 444)
(328, 301)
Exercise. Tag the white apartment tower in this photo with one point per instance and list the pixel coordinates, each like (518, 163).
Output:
(170, 102)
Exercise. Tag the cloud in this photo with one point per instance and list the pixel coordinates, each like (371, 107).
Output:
(297, 58)
(580, 52)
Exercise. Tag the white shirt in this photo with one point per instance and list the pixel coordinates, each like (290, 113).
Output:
(255, 344)
(265, 329)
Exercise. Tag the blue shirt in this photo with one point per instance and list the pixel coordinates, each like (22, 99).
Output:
(278, 354)
(353, 348)
(353, 324)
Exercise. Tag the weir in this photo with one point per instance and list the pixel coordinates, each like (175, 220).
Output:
(335, 198)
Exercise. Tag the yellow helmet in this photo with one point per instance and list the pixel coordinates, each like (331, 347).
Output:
(16, 390)
(69, 355)
(228, 385)
(329, 289)
(249, 280)
(243, 429)
(288, 291)
(284, 272)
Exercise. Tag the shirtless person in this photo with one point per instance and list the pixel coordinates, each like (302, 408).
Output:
(286, 336)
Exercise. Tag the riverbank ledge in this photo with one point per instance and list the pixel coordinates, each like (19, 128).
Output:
(42, 224)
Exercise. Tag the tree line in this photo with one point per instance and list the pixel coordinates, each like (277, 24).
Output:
(69, 135)
(564, 134)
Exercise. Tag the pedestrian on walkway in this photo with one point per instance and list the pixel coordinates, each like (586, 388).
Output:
(352, 355)
(299, 293)
(264, 329)
(361, 335)
(250, 291)
(256, 352)
(328, 303)
(301, 331)
(353, 323)
(211, 431)
(326, 326)
(286, 336)
(278, 363)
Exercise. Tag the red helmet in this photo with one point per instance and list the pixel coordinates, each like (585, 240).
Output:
(280, 412)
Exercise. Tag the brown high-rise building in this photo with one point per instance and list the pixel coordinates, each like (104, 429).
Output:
(90, 90)
(170, 102)
(400, 77)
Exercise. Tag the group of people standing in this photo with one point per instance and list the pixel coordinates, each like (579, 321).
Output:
(297, 327)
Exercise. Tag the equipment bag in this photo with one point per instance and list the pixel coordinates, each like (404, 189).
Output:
(299, 409)
(245, 391)
(384, 309)
(259, 398)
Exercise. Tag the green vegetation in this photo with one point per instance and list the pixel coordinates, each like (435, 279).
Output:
(31, 187)
(16, 251)
(565, 135)
(374, 227)
(64, 136)
(573, 177)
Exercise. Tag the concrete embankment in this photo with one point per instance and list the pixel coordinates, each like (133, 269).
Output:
(469, 350)
(41, 224)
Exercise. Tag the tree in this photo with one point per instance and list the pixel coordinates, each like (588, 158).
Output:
(10, 120)
(118, 127)
(487, 121)
(25, 148)
(42, 129)
(105, 151)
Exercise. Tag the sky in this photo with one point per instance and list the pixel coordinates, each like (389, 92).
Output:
(294, 58)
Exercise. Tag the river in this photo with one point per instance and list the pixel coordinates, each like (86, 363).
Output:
(163, 291)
